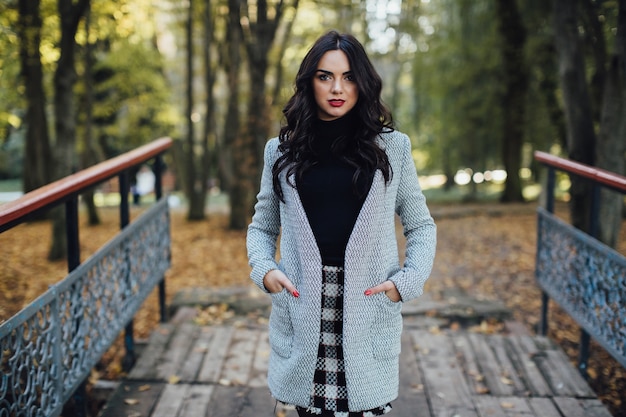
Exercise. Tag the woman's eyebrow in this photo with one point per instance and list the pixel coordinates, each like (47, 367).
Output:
(331, 73)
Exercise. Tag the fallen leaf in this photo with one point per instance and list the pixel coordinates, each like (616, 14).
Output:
(482, 390)
(507, 381)
(131, 401)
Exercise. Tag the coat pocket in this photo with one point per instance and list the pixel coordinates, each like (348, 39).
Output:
(280, 325)
(387, 329)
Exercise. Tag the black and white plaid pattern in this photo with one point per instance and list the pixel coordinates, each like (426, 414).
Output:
(329, 382)
(330, 395)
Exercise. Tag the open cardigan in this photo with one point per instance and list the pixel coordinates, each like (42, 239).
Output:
(372, 324)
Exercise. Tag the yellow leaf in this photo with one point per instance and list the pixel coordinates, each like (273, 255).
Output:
(506, 380)
(131, 401)
(173, 380)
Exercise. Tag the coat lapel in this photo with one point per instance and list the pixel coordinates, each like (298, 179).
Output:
(366, 224)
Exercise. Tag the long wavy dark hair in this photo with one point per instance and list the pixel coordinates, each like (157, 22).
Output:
(372, 116)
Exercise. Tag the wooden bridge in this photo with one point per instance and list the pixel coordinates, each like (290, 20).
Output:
(195, 370)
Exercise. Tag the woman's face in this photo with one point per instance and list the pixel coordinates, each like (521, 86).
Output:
(335, 90)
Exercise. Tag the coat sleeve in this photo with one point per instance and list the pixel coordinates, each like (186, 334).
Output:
(418, 227)
(264, 229)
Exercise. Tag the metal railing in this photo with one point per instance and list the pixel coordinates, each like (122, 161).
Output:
(583, 275)
(48, 349)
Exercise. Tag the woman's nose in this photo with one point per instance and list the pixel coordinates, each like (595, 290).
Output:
(336, 87)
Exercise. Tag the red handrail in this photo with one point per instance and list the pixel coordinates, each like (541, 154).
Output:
(58, 190)
(598, 175)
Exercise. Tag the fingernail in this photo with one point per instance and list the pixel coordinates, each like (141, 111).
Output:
(296, 293)
(368, 292)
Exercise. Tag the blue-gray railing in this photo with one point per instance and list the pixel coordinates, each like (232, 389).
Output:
(47, 350)
(583, 275)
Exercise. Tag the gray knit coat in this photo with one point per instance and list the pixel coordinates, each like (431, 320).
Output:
(372, 324)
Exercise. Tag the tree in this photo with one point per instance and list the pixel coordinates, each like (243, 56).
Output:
(65, 76)
(587, 103)
(91, 153)
(515, 73)
(610, 144)
(37, 149)
(258, 25)
(231, 62)
(241, 150)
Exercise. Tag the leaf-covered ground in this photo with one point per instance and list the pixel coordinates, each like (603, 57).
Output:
(487, 250)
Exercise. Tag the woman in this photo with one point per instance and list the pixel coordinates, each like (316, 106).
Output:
(332, 184)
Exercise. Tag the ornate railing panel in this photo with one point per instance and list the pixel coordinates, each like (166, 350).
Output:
(587, 279)
(48, 348)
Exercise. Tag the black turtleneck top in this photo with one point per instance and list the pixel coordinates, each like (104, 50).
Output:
(327, 193)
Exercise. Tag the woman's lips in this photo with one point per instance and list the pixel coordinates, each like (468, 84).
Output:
(336, 103)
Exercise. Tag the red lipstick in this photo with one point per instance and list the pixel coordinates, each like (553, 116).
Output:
(336, 103)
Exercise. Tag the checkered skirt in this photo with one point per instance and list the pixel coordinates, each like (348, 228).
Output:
(329, 395)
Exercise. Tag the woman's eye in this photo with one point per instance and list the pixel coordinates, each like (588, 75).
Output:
(324, 77)
(349, 78)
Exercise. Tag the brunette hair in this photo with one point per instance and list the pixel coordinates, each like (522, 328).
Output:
(372, 116)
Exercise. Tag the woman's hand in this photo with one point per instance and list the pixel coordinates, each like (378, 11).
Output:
(389, 288)
(275, 280)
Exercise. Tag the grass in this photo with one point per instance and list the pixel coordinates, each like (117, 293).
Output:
(10, 185)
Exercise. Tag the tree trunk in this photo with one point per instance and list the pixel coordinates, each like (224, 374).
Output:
(37, 147)
(596, 44)
(248, 148)
(194, 186)
(64, 112)
(514, 101)
(576, 103)
(90, 155)
(548, 87)
(610, 146)
(208, 136)
(285, 41)
(232, 135)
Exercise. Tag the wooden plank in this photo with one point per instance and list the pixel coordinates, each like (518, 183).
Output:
(197, 401)
(573, 407)
(258, 376)
(571, 383)
(544, 407)
(535, 382)
(258, 402)
(132, 398)
(551, 374)
(171, 400)
(561, 374)
(446, 387)
(177, 350)
(228, 402)
(411, 396)
(489, 365)
(214, 359)
(472, 371)
(577, 385)
(192, 364)
(238, 363)
(489, 406)
(510, 375)
(146, 365)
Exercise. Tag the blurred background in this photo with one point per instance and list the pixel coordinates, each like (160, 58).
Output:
(475, 84)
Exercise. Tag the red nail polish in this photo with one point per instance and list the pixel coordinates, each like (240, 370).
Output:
(296, 293)
(368, 292)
